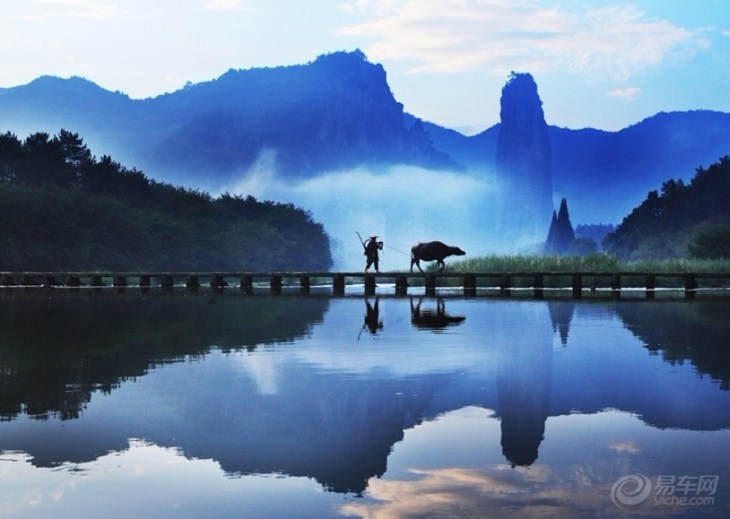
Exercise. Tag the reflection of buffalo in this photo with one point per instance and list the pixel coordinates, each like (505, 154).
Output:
(433, 320)
(433, 250)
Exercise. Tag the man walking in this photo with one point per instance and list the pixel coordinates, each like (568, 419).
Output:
(372, 246)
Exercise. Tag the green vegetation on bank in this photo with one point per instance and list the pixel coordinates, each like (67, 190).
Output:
(683, 220)
(595, 263)
(590, 263)
(63, 209)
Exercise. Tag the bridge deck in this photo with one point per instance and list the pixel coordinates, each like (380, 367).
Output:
(431, 280)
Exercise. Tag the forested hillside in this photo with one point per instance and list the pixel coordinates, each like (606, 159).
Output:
(683, 220)
(61, 208)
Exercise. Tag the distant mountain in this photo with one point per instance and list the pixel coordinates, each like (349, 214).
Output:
(333, 113)
(604, 175)
(337, 112)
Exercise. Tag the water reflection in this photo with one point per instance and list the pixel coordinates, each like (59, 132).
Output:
(561, 313)
(282, 385)
(56, 351)
(683, 333)
(372, 317)
(433, 319)
(523, 396)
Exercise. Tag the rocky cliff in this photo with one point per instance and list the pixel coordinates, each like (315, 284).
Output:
(523, 159)
(336, 112)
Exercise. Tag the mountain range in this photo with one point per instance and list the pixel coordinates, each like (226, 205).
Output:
(337, 113)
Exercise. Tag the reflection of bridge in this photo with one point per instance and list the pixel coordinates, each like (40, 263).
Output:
(536, 282)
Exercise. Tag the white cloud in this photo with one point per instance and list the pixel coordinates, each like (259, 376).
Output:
(625, 93)
(505, 35)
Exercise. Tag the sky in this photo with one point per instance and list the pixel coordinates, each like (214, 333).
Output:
(600, 64)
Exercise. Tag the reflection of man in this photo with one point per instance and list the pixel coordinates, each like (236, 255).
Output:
(372, 315)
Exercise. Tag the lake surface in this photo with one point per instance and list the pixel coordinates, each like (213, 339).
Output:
(227, 405)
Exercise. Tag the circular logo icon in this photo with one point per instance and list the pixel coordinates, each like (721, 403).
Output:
(630, 490)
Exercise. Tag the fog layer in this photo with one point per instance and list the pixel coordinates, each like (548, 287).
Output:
(402, 205)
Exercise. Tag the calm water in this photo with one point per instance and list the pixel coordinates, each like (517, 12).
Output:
(313, 406)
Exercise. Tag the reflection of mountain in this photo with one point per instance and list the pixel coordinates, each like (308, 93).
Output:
(328, 406)
(523, 396)
(54, 353)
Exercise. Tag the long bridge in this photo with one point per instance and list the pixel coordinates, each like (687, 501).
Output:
(503, 282)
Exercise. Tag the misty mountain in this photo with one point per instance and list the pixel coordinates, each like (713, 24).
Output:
(337, 113)
(333, 113)
(604, 175)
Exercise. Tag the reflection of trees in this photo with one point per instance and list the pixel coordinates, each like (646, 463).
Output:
(55, 352)
(682, 332)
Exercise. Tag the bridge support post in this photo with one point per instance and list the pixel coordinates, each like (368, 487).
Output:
(247, 284)
(275, 284)
(338, 284)
(504, 285)
(401, 285)
(690, 286)
(650, 286)
(369, 285)
(538, 284)
(470, 285)
(616, 286)
(167, 282)
(144, 282)
(577, 285)
(430, 284)
(305, 284)
(192, 283)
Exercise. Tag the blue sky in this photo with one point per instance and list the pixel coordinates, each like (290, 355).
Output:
(601, 64)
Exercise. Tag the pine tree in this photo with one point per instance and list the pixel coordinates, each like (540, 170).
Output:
(561, 233)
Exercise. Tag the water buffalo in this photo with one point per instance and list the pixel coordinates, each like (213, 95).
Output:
(433, 250)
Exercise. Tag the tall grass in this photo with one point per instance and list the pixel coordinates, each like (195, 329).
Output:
(591, 263)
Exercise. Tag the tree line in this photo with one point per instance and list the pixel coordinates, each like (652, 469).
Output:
(680, 221)
(61, 208)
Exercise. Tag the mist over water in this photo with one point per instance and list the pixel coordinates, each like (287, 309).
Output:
(402, 205)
